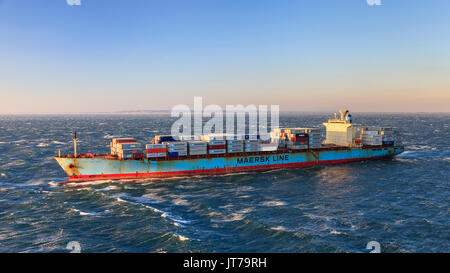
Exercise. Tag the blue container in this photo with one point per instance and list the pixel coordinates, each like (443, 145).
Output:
(388, 142)
(301, 135)
(166, 138)
(173, 154)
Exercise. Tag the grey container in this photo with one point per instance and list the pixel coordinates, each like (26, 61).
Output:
(152, 155)
(197, 152)
(217, 151)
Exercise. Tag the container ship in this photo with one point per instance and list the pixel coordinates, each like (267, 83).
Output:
(168, 156)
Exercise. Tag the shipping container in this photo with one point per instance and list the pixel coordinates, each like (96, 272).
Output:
(152, 155)
(151, 151)
(235, 150)
(155, 146)
(123, 140)
(217, 151)
(184, 153)
(128, 146)
(269, 147)
(215, 147)
(217, 142)
(231, 142)
(297, 147)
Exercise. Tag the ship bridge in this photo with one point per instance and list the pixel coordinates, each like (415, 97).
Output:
(340, 131)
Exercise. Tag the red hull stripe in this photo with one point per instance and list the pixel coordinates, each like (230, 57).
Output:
(81, 178)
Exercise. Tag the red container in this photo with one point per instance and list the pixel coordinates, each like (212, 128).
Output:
(297, 139)
(152, 151)
(138, 155)
(124, 140)
(217, 147)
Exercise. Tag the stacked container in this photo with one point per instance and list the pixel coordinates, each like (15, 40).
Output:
(196, 147)
(278, 136)
(155, 150)
(129, 150)
(116, 141)
(217, 146)
(297, 140)
(235, 146)
(252, 145)
(177, 148)
(269, 147)
(371, 137)
(315, 138)
(389, 137)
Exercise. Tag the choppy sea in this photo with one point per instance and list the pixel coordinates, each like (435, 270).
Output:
(402, 203)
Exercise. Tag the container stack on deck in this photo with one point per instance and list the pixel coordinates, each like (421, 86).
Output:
(155, 150)
(297, 139)
(252, 145)
(290, 138)
(278, 136)
(115, 144)
(126, 148)
(389, 136)
(217, 147)
(339, 132)
(371, 137)
(235, 146)
(315, 138)
(197, 147)
(129, 150)
(177, 148)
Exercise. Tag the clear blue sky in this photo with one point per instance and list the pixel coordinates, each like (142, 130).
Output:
(112, 55)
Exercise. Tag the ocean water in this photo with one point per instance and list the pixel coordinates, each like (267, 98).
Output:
(402, 203)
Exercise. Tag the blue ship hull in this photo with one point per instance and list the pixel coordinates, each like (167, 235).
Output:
(103, 167)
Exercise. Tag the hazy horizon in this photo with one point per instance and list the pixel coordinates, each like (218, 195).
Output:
(167, 112)
(112, 56)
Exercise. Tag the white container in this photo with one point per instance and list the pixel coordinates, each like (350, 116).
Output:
(217, 142)
(198, 152)
(155, 146)
(232, 142)
(129, 146)
(372, 140)
(175, 144)
(196, 143)
(152, 155)
(217, 151)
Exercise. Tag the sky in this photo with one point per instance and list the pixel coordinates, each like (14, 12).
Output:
(303, 55)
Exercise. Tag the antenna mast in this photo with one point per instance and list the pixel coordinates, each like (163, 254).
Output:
(75, 143)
